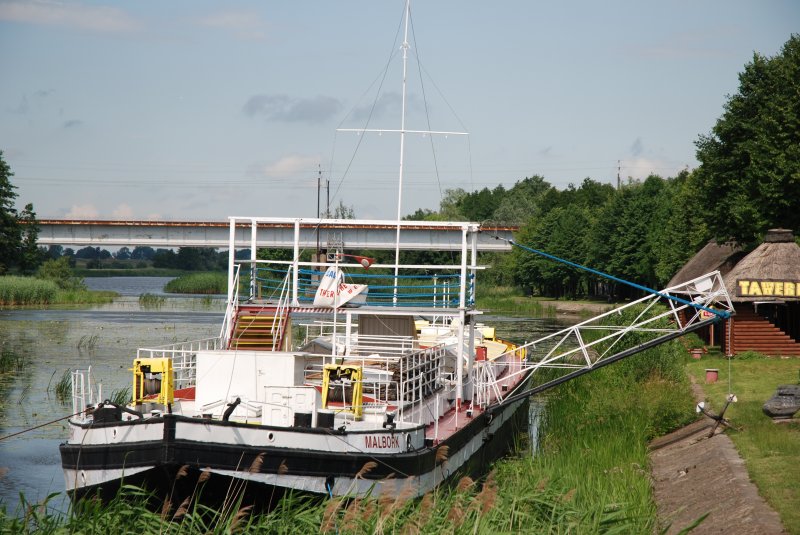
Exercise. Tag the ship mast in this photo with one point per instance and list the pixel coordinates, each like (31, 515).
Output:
(402, 150)
(402, 131)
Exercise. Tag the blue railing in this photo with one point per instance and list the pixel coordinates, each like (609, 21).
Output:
(439, 290)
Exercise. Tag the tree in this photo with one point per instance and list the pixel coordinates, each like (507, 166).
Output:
(343, 212)
(523, 201)
(124, 253)
(88, 253)
(9, 227)
(749, 174)
(29, 256)
(562, 233)
(164, 258)
(142, 252)
(55, 251)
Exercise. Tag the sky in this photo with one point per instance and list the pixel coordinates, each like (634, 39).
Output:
(199, 110)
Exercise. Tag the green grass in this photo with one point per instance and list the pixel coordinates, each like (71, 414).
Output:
(16, 290)
(199, 283)
(771, 451)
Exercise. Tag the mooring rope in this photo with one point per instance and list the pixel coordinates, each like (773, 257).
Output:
(40, 425)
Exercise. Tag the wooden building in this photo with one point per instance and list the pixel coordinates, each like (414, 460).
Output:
(765, 290)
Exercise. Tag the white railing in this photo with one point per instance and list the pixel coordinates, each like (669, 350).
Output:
(231, 308)
(279, 320)
(83, 392)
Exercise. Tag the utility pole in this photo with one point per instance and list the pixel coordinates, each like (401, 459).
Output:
(618, 169)
(319, 184)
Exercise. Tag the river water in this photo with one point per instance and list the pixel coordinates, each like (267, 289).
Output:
(105, 337)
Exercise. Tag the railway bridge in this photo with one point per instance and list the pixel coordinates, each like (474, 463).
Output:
(272, 233)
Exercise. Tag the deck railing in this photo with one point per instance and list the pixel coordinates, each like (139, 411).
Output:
(440, 289)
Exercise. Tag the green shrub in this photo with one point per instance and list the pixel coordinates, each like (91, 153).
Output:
(59, 272)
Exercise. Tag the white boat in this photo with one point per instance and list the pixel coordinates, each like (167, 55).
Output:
(336, 375)
(346, 400)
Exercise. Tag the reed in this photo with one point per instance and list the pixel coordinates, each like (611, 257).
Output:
(63, 387)
(88, 342)
(16, 290)
(199, 283)
(148, 300)
(25, 291)
(11, 362)
(121, 396)
(83, 297)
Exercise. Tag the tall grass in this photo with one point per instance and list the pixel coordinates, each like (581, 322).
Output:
(16, 290)
(199, 283)
(467, 507)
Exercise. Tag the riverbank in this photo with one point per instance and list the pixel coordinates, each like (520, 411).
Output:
(700, 479)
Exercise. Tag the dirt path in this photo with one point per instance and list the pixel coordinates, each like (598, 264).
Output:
(694, 475)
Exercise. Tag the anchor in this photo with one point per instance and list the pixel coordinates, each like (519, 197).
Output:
(720, 418)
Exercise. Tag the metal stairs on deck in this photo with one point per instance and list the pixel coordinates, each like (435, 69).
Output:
(259, 328)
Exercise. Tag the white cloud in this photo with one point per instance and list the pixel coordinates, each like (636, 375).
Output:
(123, 211)
(68, 14)
(82, 211)
(246, 25)
(641, 168)
(288, 166)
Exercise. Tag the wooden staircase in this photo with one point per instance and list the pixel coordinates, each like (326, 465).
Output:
(755, 333)
(259, 328)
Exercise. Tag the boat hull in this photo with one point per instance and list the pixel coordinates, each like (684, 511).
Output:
(91, 469)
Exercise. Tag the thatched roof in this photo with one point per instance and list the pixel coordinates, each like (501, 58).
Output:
(770, 273)
(712, 257)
